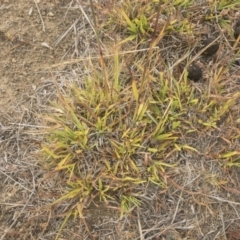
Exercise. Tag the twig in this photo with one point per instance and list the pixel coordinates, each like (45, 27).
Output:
(223, 225)
(95, 27)
(40, 16)
(16, 219)
(10, 50)
(140, 227)
(16, 182)
(65, 34)
(74, 61)
(85, 15)
(222, 199)
(176, 210)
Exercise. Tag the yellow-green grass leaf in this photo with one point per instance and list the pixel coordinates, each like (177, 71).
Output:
(68, 166)
(133, 180)
(71, 168)
(63, 162)
(72, 194)
(132, 26)
(68, 215)
(157, 182)
(130, 38)
(141, 111)
(175, 124)
(227, 4)
(99, 124)
(152, 150)
(160, 126)
(161, 165)
(153, 171)
(233, 164)
(118, 153)
(224, 24)
(207, 124)
(127, 201)
(62, 134)
(177, 147)
(133, 166)
(194, 101)
(50, 153)
(190, 148)
(229, 154)
(125, 134)
(115, 171)
(142, 28)
(105, 190)
(80, 126)
(100, 184)
(103, 197)
(166, 136)
(107, 164)
(80, 207)
(208, 106)
(184, 3)
(163, 145)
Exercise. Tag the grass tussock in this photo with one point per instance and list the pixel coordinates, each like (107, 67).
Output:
(116, 132)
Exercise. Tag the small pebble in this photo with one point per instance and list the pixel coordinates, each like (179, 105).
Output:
(51, 14)
(236, 29)
(194, 72)
(237, 62)
(211, 50)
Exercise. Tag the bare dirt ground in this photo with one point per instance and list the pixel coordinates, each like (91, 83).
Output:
(209, 209)
(24, 45)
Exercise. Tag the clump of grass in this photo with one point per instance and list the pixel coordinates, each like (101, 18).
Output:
(129, 19)
(108, 138)
(115, 133)
(139, 23)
